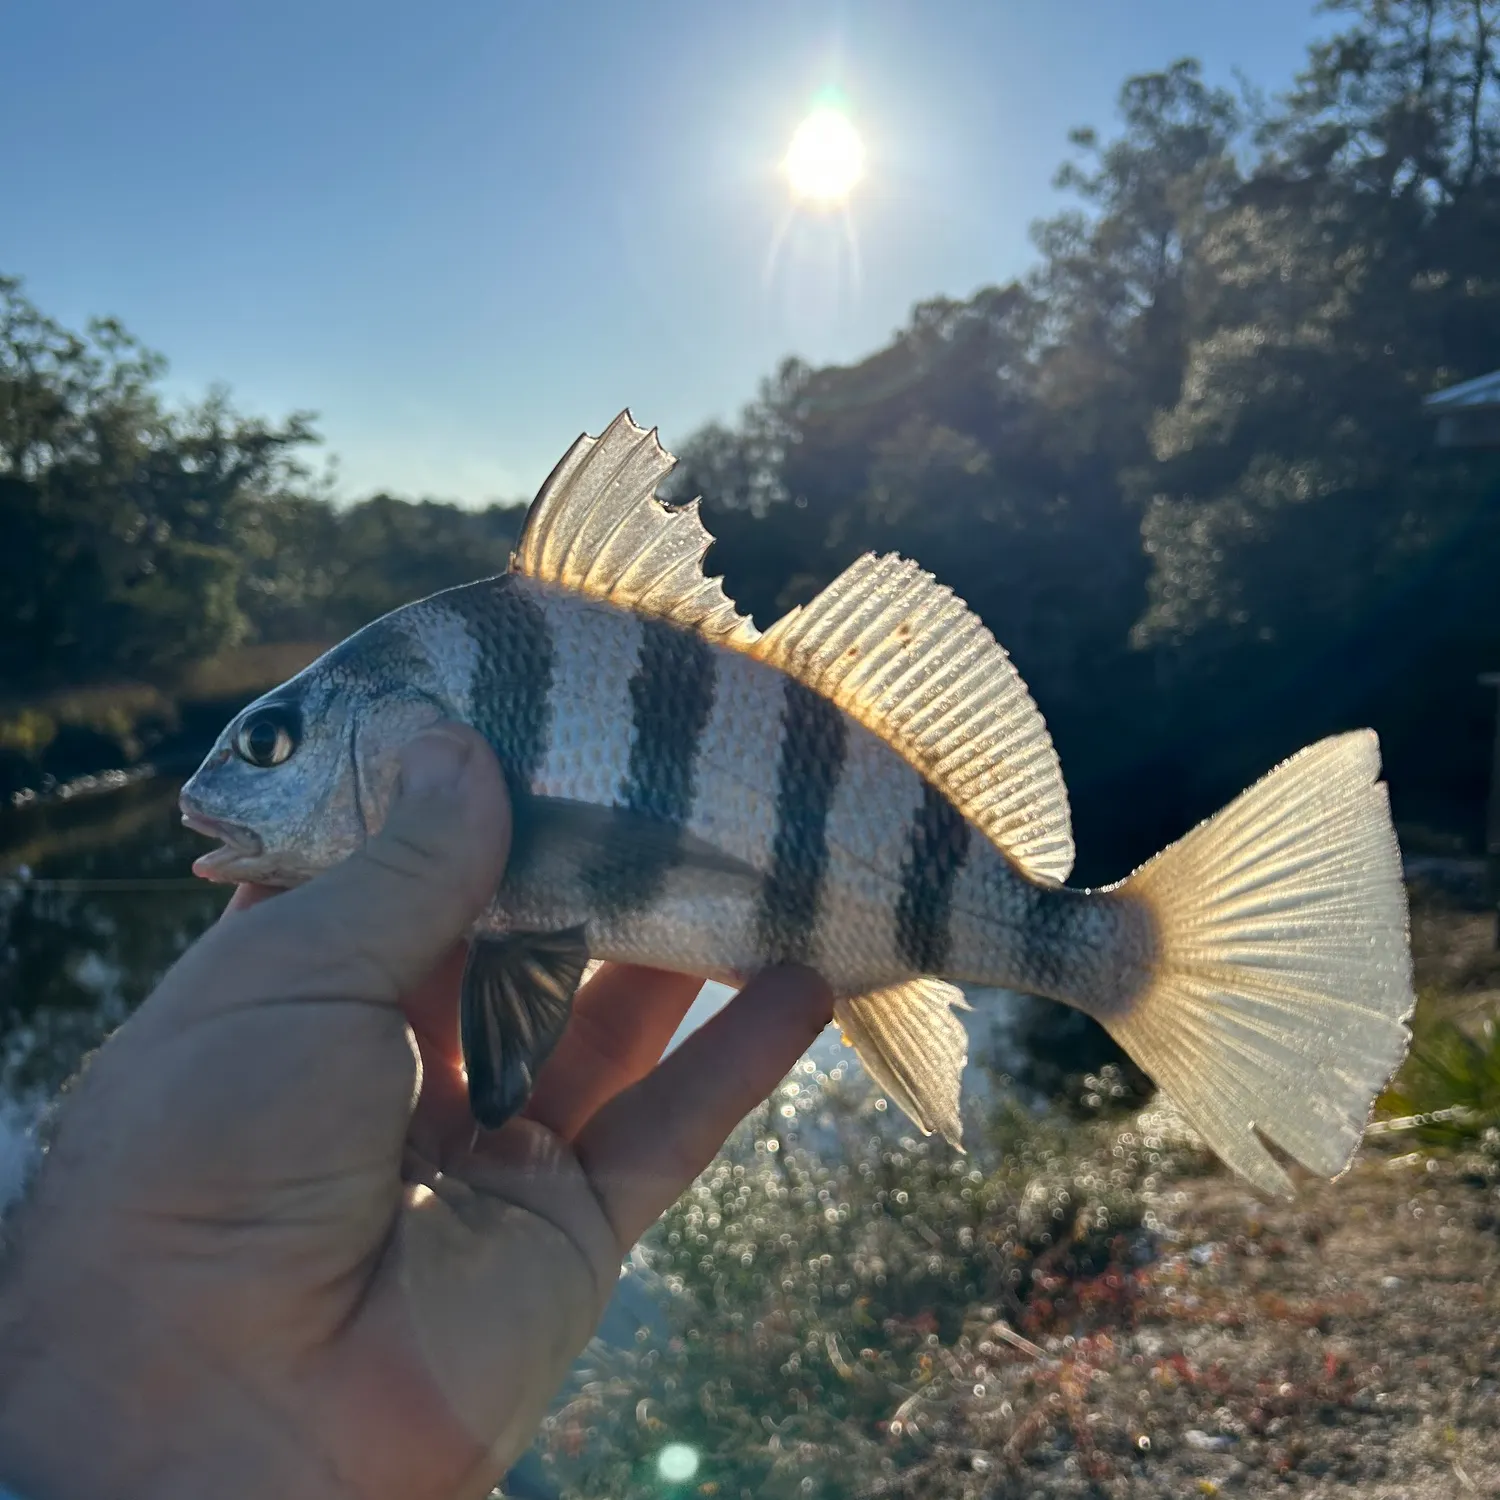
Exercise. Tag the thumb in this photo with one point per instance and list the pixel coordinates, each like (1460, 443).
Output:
(378, 923)
(197, 1101)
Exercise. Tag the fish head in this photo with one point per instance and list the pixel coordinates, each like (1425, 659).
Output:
(301, 778)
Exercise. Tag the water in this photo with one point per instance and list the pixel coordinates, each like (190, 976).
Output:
(96, 902)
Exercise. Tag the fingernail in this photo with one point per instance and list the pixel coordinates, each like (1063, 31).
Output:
(433, 762)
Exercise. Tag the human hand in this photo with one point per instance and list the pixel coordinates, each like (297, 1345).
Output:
(268, 1253)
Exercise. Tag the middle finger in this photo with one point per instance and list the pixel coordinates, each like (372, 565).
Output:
(622, 1020)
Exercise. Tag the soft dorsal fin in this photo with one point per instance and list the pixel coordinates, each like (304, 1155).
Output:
(596, 526)
(898, 651)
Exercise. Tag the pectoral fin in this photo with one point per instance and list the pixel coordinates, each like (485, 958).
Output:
(516, 998)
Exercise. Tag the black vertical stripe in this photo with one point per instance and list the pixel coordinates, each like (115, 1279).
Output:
(1047, 944)
(935, 855)
(814, 742)
(512, 686)
(671, 697)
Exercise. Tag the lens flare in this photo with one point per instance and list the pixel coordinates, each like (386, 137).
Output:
(825, 159)
(677, 1463)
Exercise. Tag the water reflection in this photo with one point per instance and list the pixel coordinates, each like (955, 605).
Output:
(96, 902)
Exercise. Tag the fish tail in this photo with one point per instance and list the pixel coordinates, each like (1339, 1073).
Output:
(1279, 984)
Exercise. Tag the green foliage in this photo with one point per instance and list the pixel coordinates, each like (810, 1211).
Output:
(141, 539)
(1450, 1085)
(27, 731)
(124, 521)
(1181, 469)
(390, 551)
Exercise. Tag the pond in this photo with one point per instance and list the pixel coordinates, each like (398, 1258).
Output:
(96, 902)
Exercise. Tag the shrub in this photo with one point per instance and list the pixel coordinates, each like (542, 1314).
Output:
(819, 1280)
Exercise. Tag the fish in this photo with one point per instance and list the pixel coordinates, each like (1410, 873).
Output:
(866, 788)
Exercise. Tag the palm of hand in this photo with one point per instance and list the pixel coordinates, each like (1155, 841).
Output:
(268, 1219)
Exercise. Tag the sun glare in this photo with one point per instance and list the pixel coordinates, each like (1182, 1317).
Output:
(825, 159)
(677, 1463)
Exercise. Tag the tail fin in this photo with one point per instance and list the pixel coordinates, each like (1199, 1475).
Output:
(1282, 981)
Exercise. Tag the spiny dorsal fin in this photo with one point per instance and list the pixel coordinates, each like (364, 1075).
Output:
(596, 526)
(898, 651)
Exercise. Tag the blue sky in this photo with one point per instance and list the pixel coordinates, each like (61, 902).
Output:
(463, 232)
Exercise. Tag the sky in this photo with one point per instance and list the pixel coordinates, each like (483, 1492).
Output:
(464, 232)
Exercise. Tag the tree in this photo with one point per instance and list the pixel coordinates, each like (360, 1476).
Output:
(126, 524)
(1309, 543)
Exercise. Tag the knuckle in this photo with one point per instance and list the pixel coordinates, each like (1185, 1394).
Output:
(402, 854)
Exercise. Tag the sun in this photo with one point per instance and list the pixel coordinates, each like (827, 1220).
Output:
(825, 159)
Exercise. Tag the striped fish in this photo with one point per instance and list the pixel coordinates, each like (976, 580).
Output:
(866, 788)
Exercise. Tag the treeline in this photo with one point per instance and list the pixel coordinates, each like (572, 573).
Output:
(1181, 468)
(139, 537)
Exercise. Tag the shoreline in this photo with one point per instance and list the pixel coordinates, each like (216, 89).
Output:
(73, 741)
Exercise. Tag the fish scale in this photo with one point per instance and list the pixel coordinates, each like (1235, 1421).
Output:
(512, 682)
(671, 697)
(866, 787)
(673, 768)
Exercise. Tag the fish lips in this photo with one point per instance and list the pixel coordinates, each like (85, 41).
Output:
(238, 847)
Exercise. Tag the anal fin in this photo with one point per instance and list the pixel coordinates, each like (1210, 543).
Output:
(914, 1047)
(515, 1001)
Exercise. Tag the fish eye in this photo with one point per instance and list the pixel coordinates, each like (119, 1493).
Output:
(268, 736)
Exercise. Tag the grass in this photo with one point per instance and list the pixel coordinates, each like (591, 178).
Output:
(1085, 1306)
(116, 711)
(834, 1282)
(1447, 1093)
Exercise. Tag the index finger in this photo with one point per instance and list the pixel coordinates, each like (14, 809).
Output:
(246, 896)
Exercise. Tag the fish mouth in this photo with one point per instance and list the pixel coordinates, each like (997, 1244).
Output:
(238, 846)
